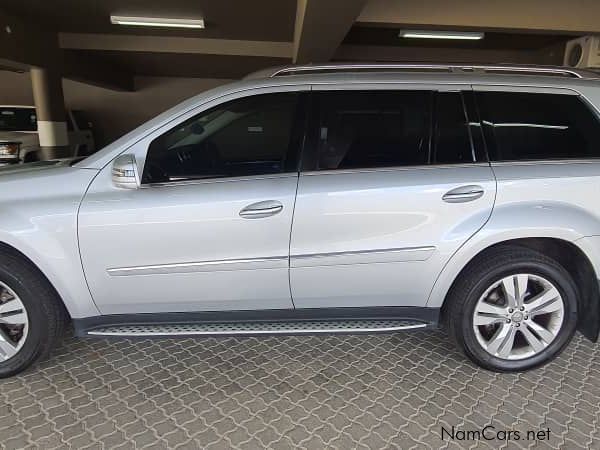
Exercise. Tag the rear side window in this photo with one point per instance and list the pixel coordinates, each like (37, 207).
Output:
(521, 126)
(374, 129)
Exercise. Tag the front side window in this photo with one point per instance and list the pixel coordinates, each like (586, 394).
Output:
(255, 135)
(521, 126)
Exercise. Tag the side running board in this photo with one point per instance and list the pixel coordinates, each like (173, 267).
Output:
(259, 328)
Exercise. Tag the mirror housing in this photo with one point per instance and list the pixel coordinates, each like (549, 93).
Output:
(125, 172)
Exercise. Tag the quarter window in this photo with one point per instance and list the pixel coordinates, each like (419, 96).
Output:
(521, 126)
(255, 135)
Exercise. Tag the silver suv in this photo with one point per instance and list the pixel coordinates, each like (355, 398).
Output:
(323, 199)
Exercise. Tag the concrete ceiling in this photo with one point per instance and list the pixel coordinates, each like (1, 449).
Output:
(260, 20)
(242, 36)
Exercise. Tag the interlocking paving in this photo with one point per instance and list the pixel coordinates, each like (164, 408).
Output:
(377, 391)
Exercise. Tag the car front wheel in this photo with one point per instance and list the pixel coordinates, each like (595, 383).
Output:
(31, 314)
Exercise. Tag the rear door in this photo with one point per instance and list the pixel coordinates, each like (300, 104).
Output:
(394, 182)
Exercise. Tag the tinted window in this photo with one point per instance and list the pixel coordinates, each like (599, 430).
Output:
(251, 136)
(17, 119)
(357, 129)
(452, 143)
(537, 126)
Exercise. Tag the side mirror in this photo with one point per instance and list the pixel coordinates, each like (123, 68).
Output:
(125, 172)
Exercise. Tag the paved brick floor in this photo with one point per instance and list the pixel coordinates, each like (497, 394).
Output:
(381, 391)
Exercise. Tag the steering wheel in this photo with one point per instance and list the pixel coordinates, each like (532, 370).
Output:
(154, 173)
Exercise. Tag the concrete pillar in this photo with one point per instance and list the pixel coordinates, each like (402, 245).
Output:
(50, 111)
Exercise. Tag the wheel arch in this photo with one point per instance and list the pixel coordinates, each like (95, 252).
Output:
(9, 249)
(72, 305)
(568, 254)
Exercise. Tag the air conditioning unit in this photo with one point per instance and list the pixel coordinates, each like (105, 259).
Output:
(583, 53)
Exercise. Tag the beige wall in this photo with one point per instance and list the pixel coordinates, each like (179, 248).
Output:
(113, 113)
(576, 16)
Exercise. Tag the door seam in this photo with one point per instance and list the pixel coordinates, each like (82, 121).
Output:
(290, 243)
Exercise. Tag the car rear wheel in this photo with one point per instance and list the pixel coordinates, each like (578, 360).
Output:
(515, 309)
(31, 315)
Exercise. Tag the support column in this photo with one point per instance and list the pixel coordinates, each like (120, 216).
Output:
(50, 111)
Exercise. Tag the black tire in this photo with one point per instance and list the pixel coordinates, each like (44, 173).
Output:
(46, 314)
(492, 266)
(31, 157)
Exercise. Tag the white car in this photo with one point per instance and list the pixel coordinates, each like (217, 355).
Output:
(19, 140)
(323, 199)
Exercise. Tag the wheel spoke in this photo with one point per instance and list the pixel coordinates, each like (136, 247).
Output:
(482, 319)
(488, 308)
(11, 306)
(14, 319)
(532, 339)
(508, 286)
(7, 347)
(486, 314)
(546, 302)
(521, 281)
(502, 341)
(515, 288)
(12, 312)
(542, 332)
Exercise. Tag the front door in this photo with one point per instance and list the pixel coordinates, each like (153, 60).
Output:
(209, 227)
(395, 186)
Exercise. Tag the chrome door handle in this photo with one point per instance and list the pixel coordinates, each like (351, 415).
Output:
(261, 209)
(463, 194)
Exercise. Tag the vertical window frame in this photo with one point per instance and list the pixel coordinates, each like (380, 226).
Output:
(476, 132)
(475, 153)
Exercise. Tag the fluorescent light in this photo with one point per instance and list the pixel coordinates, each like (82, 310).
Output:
(424, 34)
(157, 22)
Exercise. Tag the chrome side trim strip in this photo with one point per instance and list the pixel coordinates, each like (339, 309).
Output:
(276, 262)
(269, 262)
(365, 252)
(256, 332)
(363, 256)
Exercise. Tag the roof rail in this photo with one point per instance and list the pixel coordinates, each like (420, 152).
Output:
(422, 67)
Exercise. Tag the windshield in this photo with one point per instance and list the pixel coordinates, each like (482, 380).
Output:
(17, 119)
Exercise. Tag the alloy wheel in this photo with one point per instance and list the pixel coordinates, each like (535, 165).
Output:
(14, 323)
(518, 316)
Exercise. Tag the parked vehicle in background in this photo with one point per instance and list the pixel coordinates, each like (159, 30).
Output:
(323, 199)
(19, 140)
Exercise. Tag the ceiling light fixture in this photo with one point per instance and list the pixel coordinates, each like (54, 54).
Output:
(425, 34)
(157, 22)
